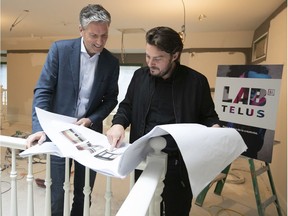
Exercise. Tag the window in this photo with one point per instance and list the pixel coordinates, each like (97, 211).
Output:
(260, 48)
(3, 75)
(125, 76)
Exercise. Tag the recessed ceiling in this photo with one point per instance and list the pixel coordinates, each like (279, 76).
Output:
(56, 18)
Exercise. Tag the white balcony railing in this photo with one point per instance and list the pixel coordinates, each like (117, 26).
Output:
(144, 195)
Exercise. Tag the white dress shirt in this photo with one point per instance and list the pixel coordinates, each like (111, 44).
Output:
(88, 65)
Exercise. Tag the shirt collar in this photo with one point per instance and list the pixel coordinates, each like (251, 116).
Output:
(83, 49)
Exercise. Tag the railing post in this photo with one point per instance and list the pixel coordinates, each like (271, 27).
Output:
(66, 188)
(48, 186)
(87, 191)
(148, 184)
(157, 144)
(108, 196)
(13, 176)
(30, 199)
(13, 143)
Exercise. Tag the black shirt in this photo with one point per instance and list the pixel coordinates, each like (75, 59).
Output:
(161, 110)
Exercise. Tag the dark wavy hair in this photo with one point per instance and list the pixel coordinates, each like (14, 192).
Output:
(166, 39)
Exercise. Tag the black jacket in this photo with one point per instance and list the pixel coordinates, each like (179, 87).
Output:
(192, 100)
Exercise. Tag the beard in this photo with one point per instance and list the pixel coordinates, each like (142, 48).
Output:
(166, 73)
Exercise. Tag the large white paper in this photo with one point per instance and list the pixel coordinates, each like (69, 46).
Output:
(206, 151)
(86, 146)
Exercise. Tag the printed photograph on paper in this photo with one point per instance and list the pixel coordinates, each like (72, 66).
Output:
(81, 143)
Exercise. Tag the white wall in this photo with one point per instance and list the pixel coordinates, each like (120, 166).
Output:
(277, 54)
(135, 43)
(207, 63)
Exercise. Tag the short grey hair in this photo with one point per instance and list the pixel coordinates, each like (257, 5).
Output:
(94, 13)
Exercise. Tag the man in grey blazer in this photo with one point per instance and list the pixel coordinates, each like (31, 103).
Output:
(79, 79)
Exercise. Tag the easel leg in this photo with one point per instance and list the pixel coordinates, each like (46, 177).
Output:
(201, 197)
(218, 188)
(256, 187)
(220, 184)
(273, 190)
(261, 206)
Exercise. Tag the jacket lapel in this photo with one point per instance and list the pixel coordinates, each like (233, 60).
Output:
(99, 73)
(75, 63)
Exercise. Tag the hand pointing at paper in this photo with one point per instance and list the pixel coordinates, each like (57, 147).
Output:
(115, 135)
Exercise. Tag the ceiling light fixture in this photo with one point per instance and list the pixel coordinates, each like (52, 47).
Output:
(182, 33)
(202, 17)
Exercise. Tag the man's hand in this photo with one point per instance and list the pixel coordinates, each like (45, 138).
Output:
(36, 138)
(115, 135)
(86, 122)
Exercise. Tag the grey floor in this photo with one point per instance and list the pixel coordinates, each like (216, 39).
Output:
(237, 197)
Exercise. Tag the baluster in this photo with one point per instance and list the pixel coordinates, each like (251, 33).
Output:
(87, 192)
(67, 187)
(13, 176)
(48, 187)
(157, 144)
(30, 199)
(148, 183)
(108, 196)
